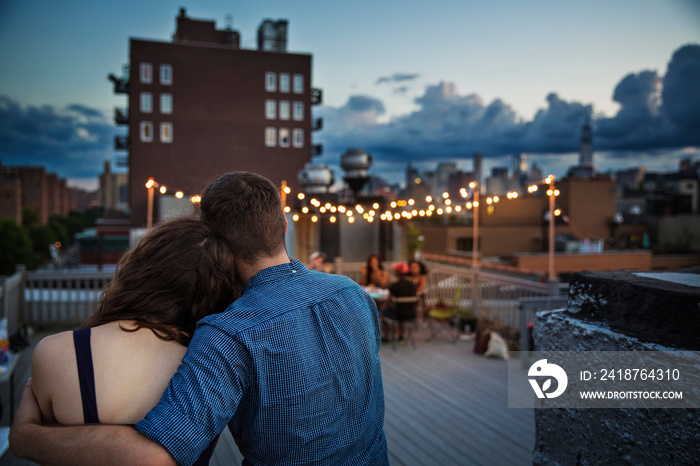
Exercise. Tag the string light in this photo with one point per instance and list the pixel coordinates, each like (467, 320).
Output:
(445, 206)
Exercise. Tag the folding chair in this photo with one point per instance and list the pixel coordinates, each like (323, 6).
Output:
(444, 319)
(405, 312)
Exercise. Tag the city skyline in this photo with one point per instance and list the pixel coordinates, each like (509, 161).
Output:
(435, 82)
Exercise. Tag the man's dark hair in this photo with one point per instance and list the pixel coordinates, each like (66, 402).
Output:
(245, 208)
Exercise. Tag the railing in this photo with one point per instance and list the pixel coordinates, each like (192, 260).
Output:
(121, 116)
(498, 295)
(63, 298)
(121, 142)
(12, 299)
(316, 96)
(66, 298)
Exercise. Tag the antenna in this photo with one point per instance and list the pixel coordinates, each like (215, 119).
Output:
(229, 22)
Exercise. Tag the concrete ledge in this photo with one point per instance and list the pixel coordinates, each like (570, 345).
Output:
(641, 305)
(621, 311)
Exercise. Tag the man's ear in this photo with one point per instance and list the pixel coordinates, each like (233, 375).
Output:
(286, 225)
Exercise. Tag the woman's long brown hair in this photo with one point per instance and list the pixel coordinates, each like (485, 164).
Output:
(180, 272)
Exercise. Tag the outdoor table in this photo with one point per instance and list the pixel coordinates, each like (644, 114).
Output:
(378, 294)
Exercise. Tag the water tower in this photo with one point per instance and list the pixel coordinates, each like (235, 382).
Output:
(356, 163)
(316, 178)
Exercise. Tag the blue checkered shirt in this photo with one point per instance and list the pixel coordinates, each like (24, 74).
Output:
(292, 367)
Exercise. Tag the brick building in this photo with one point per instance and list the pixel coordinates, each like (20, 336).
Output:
(33, 187)
(201, 106)
(11, 198)
(519, 225)
(113, 189)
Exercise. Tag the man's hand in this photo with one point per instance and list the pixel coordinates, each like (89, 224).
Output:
(27, 417)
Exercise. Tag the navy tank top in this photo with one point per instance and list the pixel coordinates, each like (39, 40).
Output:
(86, 375)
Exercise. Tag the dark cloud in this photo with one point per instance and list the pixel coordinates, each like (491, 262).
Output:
(397, 78)
(361, 103)
(681, 91)
(72, 142)
(655, 113)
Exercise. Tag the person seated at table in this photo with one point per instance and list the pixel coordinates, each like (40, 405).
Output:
(114, 369)
(373, 273)
(418, 274)
(318, 261)
(399, 306)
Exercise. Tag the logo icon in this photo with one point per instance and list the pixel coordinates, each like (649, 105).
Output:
(542, 369)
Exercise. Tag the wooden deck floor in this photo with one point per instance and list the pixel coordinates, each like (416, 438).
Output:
(444, 406)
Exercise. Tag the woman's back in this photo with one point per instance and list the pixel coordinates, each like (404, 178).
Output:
(131, 371)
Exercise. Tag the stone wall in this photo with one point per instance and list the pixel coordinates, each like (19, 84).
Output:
(621, 311)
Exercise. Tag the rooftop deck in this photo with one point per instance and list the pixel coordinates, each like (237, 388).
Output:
(444, 405)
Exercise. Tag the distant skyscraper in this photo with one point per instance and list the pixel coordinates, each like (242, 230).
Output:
(411, 175)
(477, 161)
(585, 157)
(444, 170)
(519, 165)
(535, 173)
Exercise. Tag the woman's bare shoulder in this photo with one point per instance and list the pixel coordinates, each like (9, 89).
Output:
(53, 363)
(53, 349)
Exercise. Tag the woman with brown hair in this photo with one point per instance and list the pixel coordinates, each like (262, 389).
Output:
(373, 273)
(115, 368)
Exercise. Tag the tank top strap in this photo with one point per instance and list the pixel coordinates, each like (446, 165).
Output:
(86, 374)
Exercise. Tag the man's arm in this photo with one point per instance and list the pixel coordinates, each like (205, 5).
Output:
(77, 445)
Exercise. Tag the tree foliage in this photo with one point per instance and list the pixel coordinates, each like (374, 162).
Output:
(30, 217)
(42, 237)
(29, 243)
(15, 246)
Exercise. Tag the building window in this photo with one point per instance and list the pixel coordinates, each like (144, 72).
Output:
(270, 82)
(298, 140)
(284, 110)
(270, 137)
(299, 111)
(298, 83)
(166, 74)
(146, 131)
(146, 102)
(284, 82)
(166, 132)
(284, 137)
(166, 104)
(270, 109)
(146, 73)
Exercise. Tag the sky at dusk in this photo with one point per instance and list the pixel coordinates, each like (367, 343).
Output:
(419, 82)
